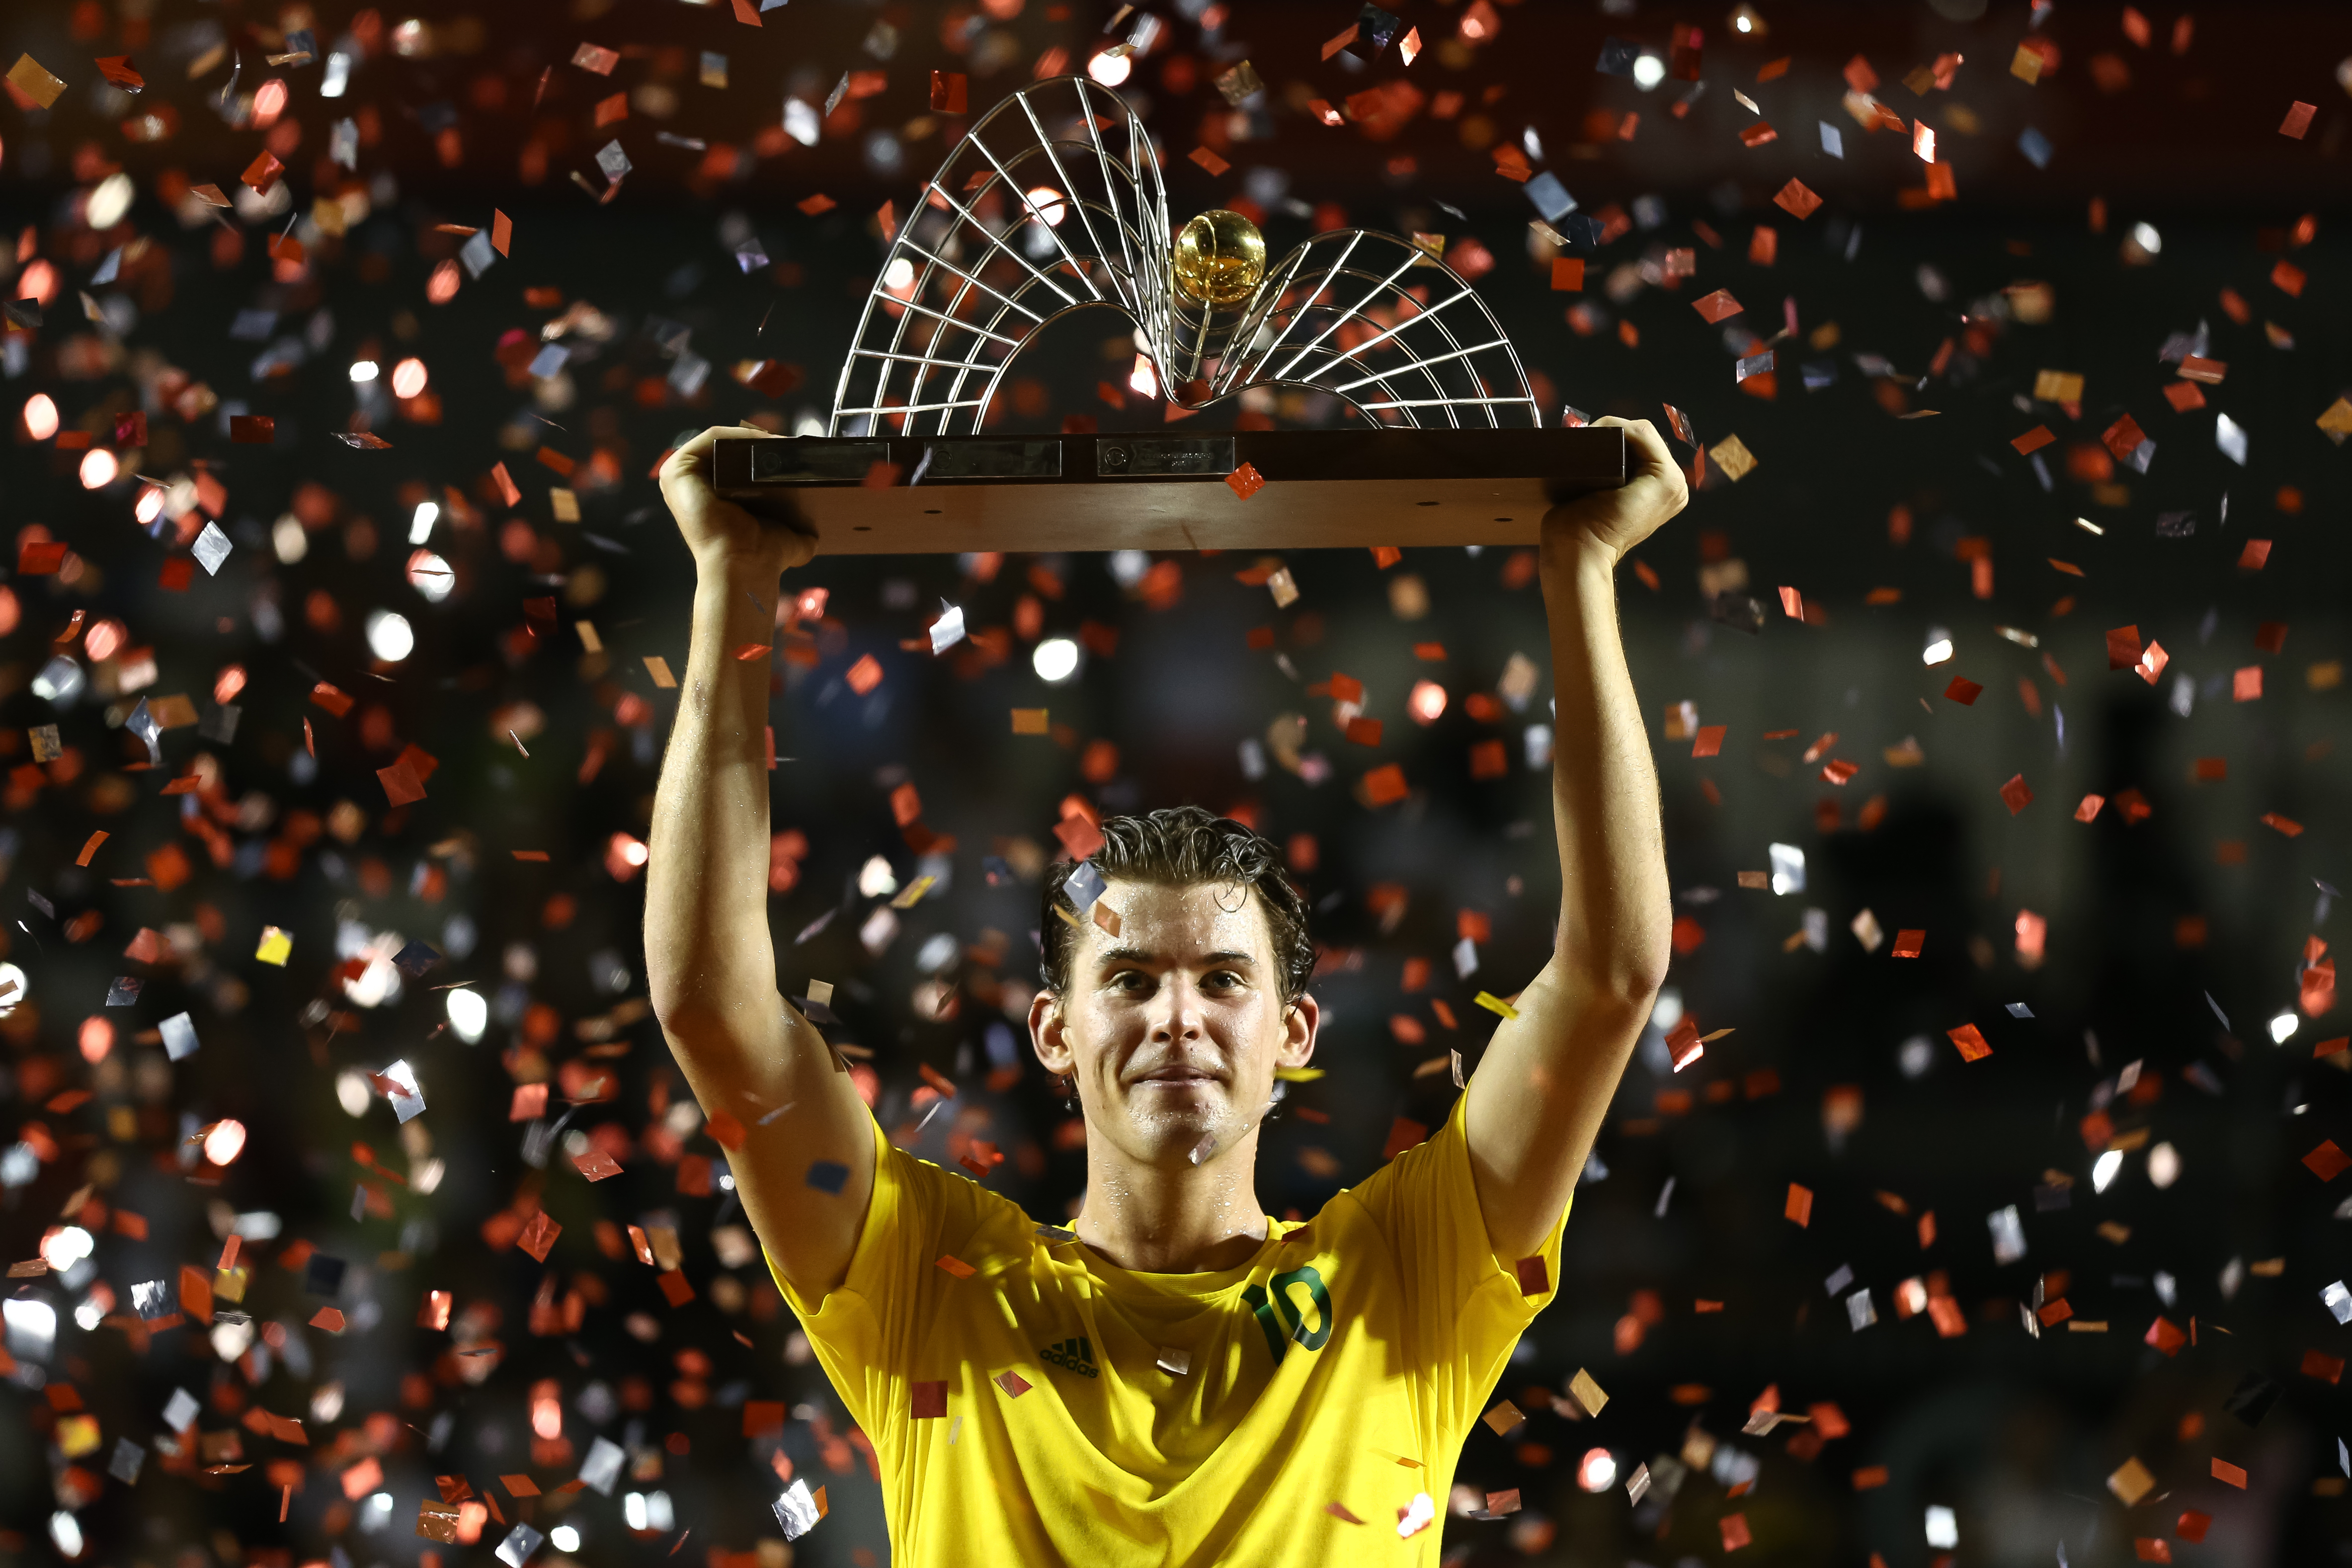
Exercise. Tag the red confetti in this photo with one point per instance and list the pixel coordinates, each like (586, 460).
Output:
(539, 1234)
(1717, 307)
(1797, 200)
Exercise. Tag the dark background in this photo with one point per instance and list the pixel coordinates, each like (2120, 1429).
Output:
(2171, 944)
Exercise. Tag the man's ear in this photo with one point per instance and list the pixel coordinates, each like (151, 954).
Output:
(1300, 1021)
(1049, 1033)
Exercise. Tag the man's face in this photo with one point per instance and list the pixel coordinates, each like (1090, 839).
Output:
(1173, 1029)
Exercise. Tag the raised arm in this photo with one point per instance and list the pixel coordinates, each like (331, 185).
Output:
(1538, 1099)
(709, 957)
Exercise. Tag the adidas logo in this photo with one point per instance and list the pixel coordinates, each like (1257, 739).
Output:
(1071, 1355)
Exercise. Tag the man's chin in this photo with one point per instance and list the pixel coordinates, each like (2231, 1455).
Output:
(1180, 1116)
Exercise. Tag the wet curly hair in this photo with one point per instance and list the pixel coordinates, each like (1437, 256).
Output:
(1178, 846)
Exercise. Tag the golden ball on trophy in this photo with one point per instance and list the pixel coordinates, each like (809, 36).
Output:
(1220, 258)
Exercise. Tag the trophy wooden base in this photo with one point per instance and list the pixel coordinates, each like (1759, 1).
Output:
(1168, 490)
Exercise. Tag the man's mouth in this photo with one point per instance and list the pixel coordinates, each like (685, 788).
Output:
(1172, 1078)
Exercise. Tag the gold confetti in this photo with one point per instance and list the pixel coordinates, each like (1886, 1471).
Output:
(1732, 456)
(34, 82)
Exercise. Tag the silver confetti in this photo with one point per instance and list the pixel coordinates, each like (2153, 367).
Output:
(211, 548)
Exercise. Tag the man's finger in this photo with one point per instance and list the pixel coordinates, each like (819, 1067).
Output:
(1651, 457)
(690, 458)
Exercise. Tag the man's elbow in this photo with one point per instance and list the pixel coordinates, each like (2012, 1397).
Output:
(685, 1014)
(1624, 976)
(667, 990)
(1632, 986)
(682, 985)
(1642, 970)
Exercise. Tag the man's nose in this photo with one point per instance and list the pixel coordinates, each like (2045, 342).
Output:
(1176, 1015)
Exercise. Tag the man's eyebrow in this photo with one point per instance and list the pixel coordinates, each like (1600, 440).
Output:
(1139, 955)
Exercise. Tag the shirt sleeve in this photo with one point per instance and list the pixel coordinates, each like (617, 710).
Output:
(1463, 1307)
(869, 1333)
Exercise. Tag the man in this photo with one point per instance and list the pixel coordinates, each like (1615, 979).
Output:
(1177, 1379)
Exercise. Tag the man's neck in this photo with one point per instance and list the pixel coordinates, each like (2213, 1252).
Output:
(1192, 1219)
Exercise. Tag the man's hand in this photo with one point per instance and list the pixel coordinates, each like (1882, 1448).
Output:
(719, 532)
(1616, 521)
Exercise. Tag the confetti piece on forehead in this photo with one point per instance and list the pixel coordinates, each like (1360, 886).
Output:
(1084, 886)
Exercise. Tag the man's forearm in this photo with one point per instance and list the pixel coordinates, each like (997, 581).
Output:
(708, 950)
(1616, 911)
(709, 959)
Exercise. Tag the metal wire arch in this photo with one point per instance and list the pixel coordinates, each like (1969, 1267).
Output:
(1274, 297)
(1136, 274)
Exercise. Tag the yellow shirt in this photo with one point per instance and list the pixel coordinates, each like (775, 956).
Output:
(1026, 1413)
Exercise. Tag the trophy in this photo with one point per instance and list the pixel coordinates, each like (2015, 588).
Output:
(1053, 203)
